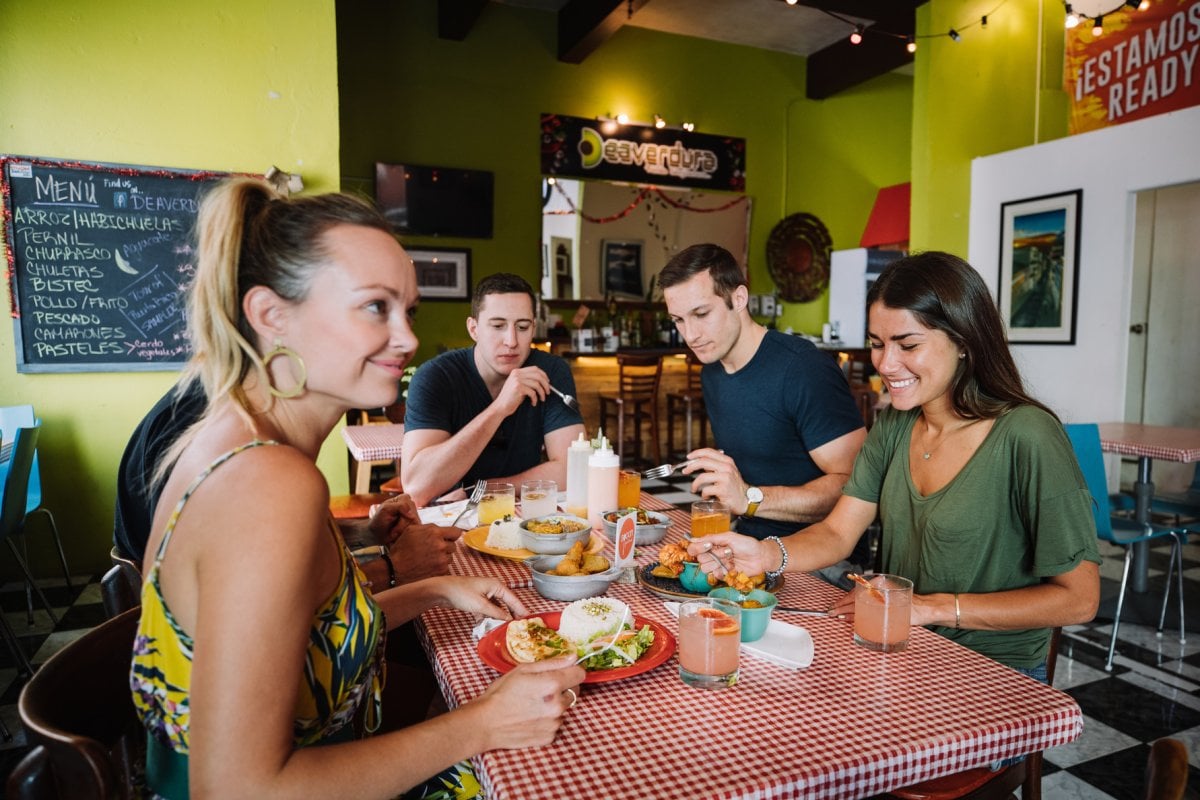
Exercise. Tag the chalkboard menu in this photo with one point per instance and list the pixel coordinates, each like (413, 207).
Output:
(99, 257)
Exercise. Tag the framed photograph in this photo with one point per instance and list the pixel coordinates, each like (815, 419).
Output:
(1039, 268)
(443, 273)
(621, 268)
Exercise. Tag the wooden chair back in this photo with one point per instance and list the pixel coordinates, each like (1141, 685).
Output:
(1167, 770)
(638, 376)
(79, 716)
(121, 586)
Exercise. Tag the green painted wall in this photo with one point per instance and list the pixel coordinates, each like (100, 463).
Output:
(997, 89)
(212, 84)
(409, 96)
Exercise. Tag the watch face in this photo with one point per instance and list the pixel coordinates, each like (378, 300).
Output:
(754, 494)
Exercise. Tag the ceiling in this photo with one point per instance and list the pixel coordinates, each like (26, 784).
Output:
(816, 29)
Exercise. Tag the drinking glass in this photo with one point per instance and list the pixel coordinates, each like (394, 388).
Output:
(709, 641)
(709, 516)
(883, 613)
(538, 499)
(498, 500)
(629, 488)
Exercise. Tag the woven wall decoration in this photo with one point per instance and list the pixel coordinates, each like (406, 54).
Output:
(798, 257)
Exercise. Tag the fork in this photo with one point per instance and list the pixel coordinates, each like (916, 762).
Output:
(568, 401)
(611, 642)
(472, 501)
(664, 470)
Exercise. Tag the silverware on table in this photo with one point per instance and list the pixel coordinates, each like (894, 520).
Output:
(568, 401)
(808, 612)
(472, 501)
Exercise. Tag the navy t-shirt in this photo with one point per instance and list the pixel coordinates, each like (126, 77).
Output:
(447, 392)
(790, 399)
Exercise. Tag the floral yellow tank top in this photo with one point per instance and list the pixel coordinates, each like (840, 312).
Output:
(343, 666)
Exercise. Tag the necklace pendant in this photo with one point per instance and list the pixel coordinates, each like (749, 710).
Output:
(926, 455)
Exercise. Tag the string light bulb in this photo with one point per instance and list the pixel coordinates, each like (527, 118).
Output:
(792, 2)
(1098, 26)
(857, 36)
(910, 44)
(983, 21)
(1072, 18)
(623, 118)
(688, 126)
(659, 122)
(955, 35)
(1142, 6)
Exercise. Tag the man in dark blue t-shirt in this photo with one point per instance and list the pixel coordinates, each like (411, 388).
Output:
(486, 412)
(783, 420)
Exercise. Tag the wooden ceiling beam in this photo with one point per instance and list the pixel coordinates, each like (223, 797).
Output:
(457, 17)
(584, 25)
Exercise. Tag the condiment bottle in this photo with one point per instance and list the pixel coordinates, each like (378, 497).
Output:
(603, 466)
(577, 476)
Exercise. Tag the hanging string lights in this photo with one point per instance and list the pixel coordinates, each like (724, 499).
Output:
(1073, 17)
(859, 30)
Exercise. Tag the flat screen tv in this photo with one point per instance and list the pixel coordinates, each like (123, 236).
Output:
(435, 201)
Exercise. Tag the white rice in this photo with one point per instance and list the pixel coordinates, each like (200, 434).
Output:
(584, 620)
(503, 534)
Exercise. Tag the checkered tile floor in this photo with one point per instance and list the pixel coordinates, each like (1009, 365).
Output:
(1153, 690)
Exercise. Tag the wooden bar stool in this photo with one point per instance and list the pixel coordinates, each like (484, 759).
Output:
(689, 404)
(638, 378)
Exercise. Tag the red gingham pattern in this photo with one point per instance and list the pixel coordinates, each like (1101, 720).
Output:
(853, 724)
(1151, 441)
(374, 442)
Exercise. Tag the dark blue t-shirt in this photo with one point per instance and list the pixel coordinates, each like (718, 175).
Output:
(447, 392)
(790, 399)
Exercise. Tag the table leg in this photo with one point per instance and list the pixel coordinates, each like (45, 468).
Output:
(1143, 493)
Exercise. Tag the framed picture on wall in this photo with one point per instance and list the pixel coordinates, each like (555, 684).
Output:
(621, 268)
(1039, 267)
(443, 273)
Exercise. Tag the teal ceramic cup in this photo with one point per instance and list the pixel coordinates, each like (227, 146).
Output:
(694, 579)
(754, 620)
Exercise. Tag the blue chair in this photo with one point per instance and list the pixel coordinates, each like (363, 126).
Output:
(14, 516)
(1177, 504)
(1085, 439)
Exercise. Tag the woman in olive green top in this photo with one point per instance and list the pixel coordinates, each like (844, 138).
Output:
(980, 497)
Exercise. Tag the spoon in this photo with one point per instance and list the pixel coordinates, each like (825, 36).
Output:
(568, 401)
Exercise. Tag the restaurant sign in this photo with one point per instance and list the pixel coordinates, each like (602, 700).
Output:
(1142, 64)
(577, 147)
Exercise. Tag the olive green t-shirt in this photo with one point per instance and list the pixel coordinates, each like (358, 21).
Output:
(1018, 511)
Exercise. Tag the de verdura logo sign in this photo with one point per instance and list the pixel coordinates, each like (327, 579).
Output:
(584, 148)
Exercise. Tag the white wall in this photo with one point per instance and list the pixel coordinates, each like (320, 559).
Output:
(1086, 382)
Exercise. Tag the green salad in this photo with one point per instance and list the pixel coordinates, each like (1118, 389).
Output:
(629, 647)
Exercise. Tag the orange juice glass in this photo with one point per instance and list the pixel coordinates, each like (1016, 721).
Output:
(883, 613)
(709, 516)
(709, 638)
(499, 499)
(629, 488)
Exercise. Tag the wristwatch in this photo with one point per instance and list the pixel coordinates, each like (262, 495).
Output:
(754, 496)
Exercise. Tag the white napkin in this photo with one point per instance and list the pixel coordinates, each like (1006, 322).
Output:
(789, 646)
(444, 515)
(485, 626)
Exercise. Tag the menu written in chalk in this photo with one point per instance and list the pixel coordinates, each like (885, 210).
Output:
(99, 258)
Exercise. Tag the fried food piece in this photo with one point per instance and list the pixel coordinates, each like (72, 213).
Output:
(674, 554)
(743, 582)
(665, 572)
(571, 562)
(593, 563)
(529, 640)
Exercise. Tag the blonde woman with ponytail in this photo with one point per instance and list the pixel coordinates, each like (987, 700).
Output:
(300, 309)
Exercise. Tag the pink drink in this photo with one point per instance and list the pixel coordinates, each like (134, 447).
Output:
(882, 615)
(709, 639)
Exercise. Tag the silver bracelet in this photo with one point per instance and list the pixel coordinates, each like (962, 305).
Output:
(957, 612)
(774, 574)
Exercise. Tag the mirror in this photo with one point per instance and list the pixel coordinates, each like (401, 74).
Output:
(601, 238)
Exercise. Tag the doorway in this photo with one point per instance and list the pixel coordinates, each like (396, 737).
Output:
(1163, 373)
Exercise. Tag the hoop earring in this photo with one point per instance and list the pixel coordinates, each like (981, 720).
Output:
(300, 372)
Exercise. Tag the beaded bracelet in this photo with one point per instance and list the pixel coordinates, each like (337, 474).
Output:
(774, 574)
(387, 559)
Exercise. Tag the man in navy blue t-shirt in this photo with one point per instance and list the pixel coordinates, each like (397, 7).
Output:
(487, 411)
(785, 425)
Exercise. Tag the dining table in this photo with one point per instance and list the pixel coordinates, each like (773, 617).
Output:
(1147, 442)
(376, 443)
(852, 723)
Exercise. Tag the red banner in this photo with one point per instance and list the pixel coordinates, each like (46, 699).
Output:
(1143, 63)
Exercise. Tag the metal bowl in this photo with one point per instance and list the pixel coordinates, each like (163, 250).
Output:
(643, 534)
(553, 543)
(567, 587)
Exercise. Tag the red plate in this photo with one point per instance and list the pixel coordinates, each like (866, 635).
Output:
(494, 652)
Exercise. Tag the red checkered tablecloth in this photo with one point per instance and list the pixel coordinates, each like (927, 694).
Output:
(853, 724)
(374, 442)
(1151, 441)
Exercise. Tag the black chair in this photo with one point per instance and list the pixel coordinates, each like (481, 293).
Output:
(79, 716)
(689, 405)
(636, 397)
(121, 586)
